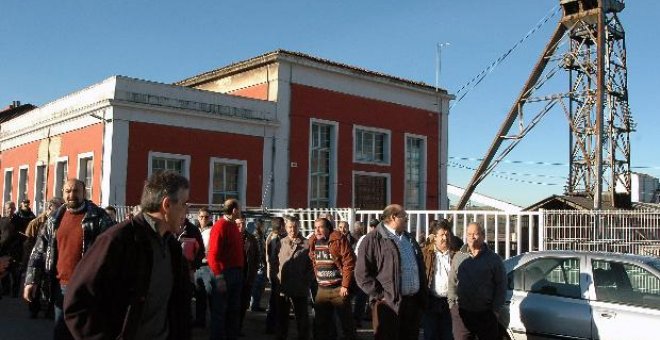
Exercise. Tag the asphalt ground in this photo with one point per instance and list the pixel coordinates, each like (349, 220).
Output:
(15, 323)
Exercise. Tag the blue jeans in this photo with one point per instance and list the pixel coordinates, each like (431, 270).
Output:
(61, 331)
(226, 307)
(203, 277)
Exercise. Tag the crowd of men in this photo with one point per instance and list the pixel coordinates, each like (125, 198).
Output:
(136, 279)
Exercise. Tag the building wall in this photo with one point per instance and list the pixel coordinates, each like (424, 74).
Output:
(259, 91)
(200, 145)
(70, 145)
(348, 110)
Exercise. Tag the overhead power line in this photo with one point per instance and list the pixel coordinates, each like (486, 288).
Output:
(473, 159)
(476, 80)
(461, 166)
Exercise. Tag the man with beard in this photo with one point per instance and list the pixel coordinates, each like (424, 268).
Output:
(64, 241)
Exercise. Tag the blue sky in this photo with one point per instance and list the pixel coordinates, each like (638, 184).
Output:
(51, 48)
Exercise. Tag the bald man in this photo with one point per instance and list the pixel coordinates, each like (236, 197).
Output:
(68, 235)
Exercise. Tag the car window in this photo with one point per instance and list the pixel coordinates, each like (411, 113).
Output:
(626, 284)
(549, 276)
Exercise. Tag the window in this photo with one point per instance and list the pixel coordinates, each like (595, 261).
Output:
(415, 174)
(61, 175)
(548, 276)
(370, 190)
(625, 284)
(22, 184)
(9, 187)
(40, 189)
(321, 161)
(372, 146)
(159, 161)
(85, 172)
(228, 180)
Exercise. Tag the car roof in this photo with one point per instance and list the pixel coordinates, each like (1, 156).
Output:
(514, 261)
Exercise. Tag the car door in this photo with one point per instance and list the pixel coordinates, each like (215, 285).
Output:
(627, 300)
(547, 300)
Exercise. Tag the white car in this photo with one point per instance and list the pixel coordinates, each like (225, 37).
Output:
(582, 295)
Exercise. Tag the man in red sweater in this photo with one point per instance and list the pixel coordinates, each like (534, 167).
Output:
(225, 258)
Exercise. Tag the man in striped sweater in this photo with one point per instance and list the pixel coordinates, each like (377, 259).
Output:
(334, 262)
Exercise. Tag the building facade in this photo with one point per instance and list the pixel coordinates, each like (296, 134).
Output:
(280, 130)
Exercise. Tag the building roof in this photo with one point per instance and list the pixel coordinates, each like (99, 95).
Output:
(566, 202)
(280, 54)
(14, 110)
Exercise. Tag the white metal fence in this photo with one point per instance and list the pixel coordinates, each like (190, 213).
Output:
(510, 234)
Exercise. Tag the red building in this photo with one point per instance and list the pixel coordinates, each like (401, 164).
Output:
(281, 130)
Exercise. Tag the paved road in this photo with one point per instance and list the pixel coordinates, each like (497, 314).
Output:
(16, 325)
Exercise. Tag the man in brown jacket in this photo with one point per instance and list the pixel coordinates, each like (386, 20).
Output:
(334, 262)
(437, 258)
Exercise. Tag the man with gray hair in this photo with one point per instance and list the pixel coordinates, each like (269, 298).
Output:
(134, 282)
(476, 288)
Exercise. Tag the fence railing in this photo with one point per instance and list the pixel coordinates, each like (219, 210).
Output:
(510, 234)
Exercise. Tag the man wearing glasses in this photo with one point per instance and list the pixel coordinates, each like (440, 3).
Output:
(390, 270)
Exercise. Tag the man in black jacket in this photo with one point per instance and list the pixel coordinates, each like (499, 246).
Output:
(134, 282)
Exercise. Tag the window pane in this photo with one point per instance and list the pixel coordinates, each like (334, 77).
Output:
(625, 284)
(550, 276)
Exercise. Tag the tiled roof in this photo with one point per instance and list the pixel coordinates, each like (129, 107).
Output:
(12, 112)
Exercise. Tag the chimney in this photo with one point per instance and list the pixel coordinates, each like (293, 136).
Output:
(15, 104)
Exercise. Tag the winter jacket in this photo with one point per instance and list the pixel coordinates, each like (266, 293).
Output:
(296, 273)
(342, 255)
(43, 259)
(106, 297)
(378, 268)
(251, 264)
(273, 245)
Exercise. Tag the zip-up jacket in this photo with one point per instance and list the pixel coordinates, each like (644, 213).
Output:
(378, 268)
(43, 259)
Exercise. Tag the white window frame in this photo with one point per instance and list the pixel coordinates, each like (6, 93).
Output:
(387, 175)
(7, 196)
(422, 173)
(332, 168)
(37, 209)
(242, 177)
(155, 154)
(19, 195)
(57, 175)
(90, 157)
(387, 149)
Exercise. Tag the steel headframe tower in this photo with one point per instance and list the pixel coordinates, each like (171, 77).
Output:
(588, 43)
